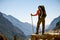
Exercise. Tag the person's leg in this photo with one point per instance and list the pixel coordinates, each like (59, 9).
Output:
(37, 28)
(43, 26)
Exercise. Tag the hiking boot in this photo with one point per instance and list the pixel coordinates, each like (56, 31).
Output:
(36, 33)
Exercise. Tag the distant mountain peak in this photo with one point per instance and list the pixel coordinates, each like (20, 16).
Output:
(58, 16)
(0, 14)
(53, 23)
(21, 25)
(57, 26)
(8, 29)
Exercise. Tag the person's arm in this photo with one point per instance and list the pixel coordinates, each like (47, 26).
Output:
(36, 13)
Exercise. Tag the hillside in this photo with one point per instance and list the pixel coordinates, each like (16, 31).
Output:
(9, 30)
(21, 25)
(53, 23)
(57, 26)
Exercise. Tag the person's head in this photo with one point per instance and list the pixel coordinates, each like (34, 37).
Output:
(41, 7)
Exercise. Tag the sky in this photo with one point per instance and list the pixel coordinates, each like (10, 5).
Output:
(21, 9)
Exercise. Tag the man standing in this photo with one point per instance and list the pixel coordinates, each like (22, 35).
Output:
(41, 18)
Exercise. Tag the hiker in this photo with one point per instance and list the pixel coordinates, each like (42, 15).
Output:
(41, 18)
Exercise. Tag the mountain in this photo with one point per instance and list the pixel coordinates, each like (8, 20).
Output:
(57, 26)
(53, 23)
(56, 29)
(9, 30)
(25, 27)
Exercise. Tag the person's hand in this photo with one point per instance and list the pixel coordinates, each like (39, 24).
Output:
(31, 14)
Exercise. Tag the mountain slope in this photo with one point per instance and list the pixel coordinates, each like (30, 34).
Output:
(8, 29)
(57, 26)
(56, 29)
(53, 23)
(23, 26)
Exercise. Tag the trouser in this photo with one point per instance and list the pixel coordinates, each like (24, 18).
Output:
(40, 20)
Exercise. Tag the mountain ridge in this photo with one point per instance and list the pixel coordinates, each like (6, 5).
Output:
(8, 29)
(21, 25)
(53, 23)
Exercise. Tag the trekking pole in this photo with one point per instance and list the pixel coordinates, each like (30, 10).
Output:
(32, 24)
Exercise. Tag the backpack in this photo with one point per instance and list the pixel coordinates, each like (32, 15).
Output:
(43, 14)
